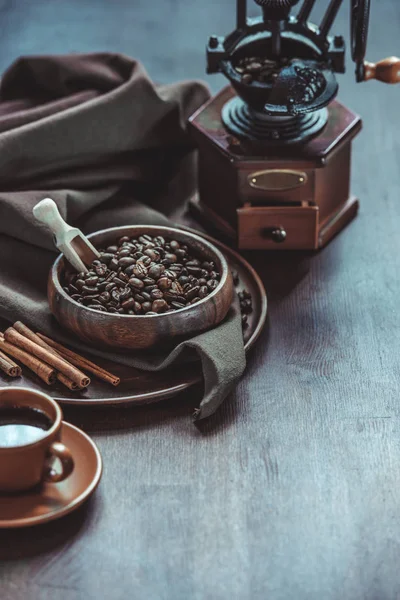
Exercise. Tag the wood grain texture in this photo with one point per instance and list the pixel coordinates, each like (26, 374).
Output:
(291, 491)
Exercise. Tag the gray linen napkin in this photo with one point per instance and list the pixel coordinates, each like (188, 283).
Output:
(95, 134)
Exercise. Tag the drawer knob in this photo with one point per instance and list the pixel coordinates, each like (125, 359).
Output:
(276, 234)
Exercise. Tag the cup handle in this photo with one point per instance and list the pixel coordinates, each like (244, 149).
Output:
(58, 450)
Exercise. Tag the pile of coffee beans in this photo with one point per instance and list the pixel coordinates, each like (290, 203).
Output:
(144, 276)
(245, 300)
(259, 69)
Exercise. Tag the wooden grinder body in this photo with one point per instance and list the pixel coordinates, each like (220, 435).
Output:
(293, 197)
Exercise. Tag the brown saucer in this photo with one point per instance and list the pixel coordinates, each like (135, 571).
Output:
(54, 500)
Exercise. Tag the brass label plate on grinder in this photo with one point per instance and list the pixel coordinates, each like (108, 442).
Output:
(277, 180)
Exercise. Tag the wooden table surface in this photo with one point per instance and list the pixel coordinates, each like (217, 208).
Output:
(290, 492)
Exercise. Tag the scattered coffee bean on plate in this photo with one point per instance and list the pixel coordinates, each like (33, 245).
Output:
(144, 276)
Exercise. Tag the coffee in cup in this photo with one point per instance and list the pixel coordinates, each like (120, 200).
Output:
(30, 432)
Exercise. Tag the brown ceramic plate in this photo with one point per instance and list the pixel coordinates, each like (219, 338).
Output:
(141, 387)
(53, 500)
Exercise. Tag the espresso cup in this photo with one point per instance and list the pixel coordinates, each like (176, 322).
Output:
(25, 463)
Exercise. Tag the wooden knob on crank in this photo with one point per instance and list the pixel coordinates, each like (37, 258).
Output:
(386, 70)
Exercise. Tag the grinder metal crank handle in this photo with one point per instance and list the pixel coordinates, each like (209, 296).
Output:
(76, 247)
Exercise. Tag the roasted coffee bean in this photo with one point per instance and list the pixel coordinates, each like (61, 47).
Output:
(170, 258)
(176, 268)
(120, 310)
(246, 306)
(110, 286)
(112, 249)
(149, 281)
(79, 283)
(113, 303)
(152, 254)
(139, 298)
(146, 306)
(155, 271)
(123, 239)
(119, 282)
(115, 294)
(125, 293)
(159, 240)
(156, 294)
(180, 253)
(212, 284)
(128, 304)
(98, 307)
(126, 261)
(89, 299)
(111, 309)
(73, 289)
(177, 305)
(193, 263)
(101, 270)
(135, 283)
(202, 281)
(123, 277)
(159, 306)
(145, 260)
(214, 275)
(170, 274)
(176, 288)
(113, 264)
(145, 238)
(164, 283)
(105, 297)
(192, 293)
(96, 301)
(150, 288)
(183, 279)
(203, 291)
(146, 296)
(195, 271)
(244, 321)
(137, 255)
(195, 300)
(86, 290)
(174, 245)
(106, 257)
(129, 271)
(139, 270)
(76, 296)
(124, 253)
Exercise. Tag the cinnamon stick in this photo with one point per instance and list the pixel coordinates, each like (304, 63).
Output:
(81, 361)
(9, 367)
(42, 370)
(57, 362)
(28, 333)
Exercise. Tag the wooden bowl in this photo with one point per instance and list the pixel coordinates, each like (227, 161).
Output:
(142, 331)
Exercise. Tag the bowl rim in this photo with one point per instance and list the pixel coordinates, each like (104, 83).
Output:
(224, 275)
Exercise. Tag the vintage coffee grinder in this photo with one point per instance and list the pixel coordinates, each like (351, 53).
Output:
(274, 146)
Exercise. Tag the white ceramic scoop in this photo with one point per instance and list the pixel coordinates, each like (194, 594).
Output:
(69, 240)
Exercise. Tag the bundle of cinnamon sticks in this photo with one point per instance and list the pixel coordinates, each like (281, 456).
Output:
(48, 359)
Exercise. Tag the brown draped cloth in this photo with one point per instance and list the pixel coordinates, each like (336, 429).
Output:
(110, 147)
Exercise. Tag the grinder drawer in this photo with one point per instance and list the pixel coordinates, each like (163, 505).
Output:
(277, 228)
